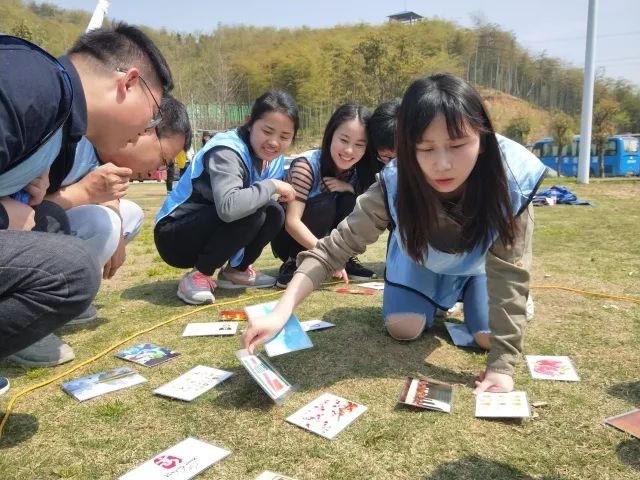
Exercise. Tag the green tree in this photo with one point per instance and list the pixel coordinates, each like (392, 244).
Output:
(518, 129)
(561, 128)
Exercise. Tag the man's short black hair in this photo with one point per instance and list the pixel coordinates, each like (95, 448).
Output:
(382, 125)
(175, 120)
(125, 46)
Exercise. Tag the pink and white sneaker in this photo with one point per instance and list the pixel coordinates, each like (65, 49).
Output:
(196, 288)
(249, 278)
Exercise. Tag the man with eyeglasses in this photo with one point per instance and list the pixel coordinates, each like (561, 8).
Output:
(97, 90)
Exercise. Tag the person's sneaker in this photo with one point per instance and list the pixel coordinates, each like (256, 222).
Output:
(357, 271)
(457, 308)
(287, 269)
(46, 352)
(89, 315)
(530, 309)
(249, 278)
(196, 288)
(4, 384)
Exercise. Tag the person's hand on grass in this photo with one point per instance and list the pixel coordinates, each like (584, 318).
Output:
(261, 329)
(493, 382)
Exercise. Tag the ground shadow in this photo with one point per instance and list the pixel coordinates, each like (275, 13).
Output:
(19, 427)
(629, 453)
(477, 467)
(629, 391)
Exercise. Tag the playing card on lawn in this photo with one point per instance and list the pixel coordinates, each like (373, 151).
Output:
(372, 285)
(502, 405)
(267, 377)
(547, 367)
(193, 383)
(290, 339)
(427, 393)
(233, 315)
(310, 325)
(210, 328)
(460, 335)
(180, 462)
(327, 415)
(267, 475)
(627, 422)
(357, 291)
(147, 354)
(91, 386)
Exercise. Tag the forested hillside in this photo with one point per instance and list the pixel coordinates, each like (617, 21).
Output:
(362, 63)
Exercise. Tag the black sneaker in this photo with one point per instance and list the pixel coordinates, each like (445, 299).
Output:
(287, 269)
(357, 271)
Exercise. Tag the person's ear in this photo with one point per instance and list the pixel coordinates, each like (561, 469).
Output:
(128, 81)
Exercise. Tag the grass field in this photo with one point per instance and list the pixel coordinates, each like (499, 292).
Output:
(50, 435)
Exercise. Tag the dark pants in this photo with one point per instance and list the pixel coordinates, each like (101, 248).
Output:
(46, 279)
(322, 214)
(201, 240)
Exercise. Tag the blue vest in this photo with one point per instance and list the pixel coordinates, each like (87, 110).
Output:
(231, 140)
(41, 158)
(84, 161)
(313, 157)
(442, 276)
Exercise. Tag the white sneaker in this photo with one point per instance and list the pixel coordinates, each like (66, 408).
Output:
(530, 309)
(196, 288)
(46, 352)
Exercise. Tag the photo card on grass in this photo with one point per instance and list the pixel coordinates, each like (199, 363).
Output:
(627, 422)
(265, 375)
(267, 475)
(147, 354)
(311, 325)
(372, 285)
(356, 291)
(210, 329)
(548, 367)
(460, 335)
(327, 415)
(427, 393)
(183, 461)
(91, 386)
(502, 405)
(193, 383)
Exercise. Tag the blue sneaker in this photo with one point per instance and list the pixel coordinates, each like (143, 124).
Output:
(4, 384)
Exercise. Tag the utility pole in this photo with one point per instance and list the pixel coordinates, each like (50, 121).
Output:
(584, 160)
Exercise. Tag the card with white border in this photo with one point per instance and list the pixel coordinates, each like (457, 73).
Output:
(310, 325)
(549, 367)
(183, 461)
(193, 383)
(327, 415)
(372, 285)
(267, 475)
(502, 405)
(91, 386)
(210, 328)
(269, 379)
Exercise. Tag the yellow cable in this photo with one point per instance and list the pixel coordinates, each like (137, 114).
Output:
(217, 305)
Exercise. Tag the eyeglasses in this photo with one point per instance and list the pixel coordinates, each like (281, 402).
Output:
(157, 114)
(165, 162)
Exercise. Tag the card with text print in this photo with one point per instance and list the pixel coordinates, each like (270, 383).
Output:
(193, 383)
(265, 375)
(310, 325)
(502, 405)
(180, 462)
(210, 328)
(547, 367)
(147, 354)
(327, 415)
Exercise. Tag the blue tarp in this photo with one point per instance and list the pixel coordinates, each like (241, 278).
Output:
(558, 194)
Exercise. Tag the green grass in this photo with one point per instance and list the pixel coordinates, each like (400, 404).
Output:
(51, 436)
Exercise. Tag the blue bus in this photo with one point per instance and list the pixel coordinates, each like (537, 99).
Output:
(621, 156)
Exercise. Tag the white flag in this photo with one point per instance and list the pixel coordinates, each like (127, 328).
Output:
(98, 15)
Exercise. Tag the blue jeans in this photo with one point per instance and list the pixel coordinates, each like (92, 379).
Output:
(397, 300)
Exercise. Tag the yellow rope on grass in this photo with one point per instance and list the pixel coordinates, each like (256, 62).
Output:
(217, 305)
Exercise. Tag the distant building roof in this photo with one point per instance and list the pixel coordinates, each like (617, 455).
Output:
(406, 17)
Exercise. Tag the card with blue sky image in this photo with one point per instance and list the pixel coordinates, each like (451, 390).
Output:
(91, 386)
(147, 354)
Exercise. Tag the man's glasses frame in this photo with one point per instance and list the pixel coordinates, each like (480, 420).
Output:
(157, 115)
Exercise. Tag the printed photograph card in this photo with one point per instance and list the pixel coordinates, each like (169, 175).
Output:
(627, 422)
(267, 475)
(147, 354)
(193, 383)
(210, 328)
(91, 386)
(265, 375)
(460, 335)
(310, 325)
(547, 367)
(239, 315)
(502, 405)
(291, 338)
(427, 393)
(357, 291)
(327, 415)
(372, 285)
(183, 461)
